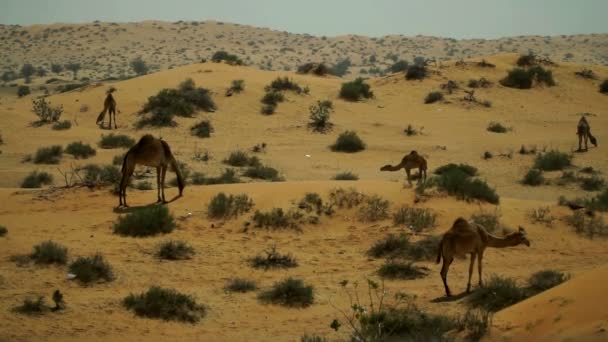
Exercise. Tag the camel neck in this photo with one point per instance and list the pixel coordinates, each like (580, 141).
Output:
(497, 242)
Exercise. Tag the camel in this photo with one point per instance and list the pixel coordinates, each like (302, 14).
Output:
(466, 237)
(583, 130)
(109, 105)
(410, 161)
(152, 152)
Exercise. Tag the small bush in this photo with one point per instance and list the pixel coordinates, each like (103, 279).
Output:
(346, 175)
(228, 206)
(319, 116)
(91, 269)
(425, 249)
(374, 208)
(552, 161)
(349, 142)
(346, 198)
(476, 323)
(37, 180)
(202, 129)
(175, 250)
(165, 304)
(268, 109)
(497, 294)
(389, 247)
(459, 184)
(399, 66)
(227, 57)
(143, 185)
(145, 221)
(116, 141)
(518, 78)
(542, 76)
(313, 338)
(497, 127)
(227, 177)
(544, 280)
(589, 226)
(240, 159)
(284, 83)
(62, 125)
(273, 98)
(527, 150)
(534, 177)
(401, 270)
(480, 83)
(48, 155)
(433, 97)
(410, 131)
(32, 307)
(263, 172)
(604, 87)
(3, 230)
(356, 90)
(95, 175)
(416, 72)
(318, 69)
(541, 215)
(593, 183)
(50, 252)
(237, 86)
(469, 170)
(45, 112)
(80, 150)
(23, 91)
(291, 292)
(240, 285)
(277, 219)
(416, 219)
(273, 259)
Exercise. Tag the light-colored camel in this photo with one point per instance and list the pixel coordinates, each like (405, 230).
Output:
(466, 237)
(410, 161)
(152, 152)
(109, 106)
(583, 130)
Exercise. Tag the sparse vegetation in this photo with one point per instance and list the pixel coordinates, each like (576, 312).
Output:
(480, 83)
(277, 219)
(416, 72)
(291, 292)
(273, 259)
(433, 97)
(542, 215)
(165, 304)
(544, 280)
(589, 226)
(393, 269)
(139, 66)
(202, 129)
(240, 285)
(319, 116)
(95, 175)
(318, 69)
(348, 141)
(23, 91)
(410, 131)
(145, 221)
(604, 87)
(416, 219)
(227, 177)
(593, 183)
(469, 170)
(37, 179)
(32, 307)
(280, 84)
(268, 109)
(497, 294)
(240, 159)
(175, 250)
(45, 112)
(534, 177)
(237, 86)
(263, 172)
(346, 175)
(459, 183)
(489, 220)
(50, 252)
(92, 269)
(80, 150)
(552, 161)
(356, 90)
(497, 127)
(62, 125)
(524, 79)
(226, 57)
(48, 155)
(116, 141)
(228, 206)
(3, 231)
(374, 208)
(273, 98)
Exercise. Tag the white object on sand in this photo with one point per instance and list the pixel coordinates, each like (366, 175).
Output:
(71, 276)
(307, 156)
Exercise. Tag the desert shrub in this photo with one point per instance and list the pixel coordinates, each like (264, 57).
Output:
(552, 161)
(356, 90)
(118, 159)
(80, 150)
(399, 66)
(460, 184)
(374, 208)
(32, 307)
(318, 69)
(469, 170)
(417, 219)
(91, 269)
(533, 177)
(604, 87)
(272, 98)
(313, 202)
(161, 117)
(262, 172)
(48, 155)
(416, 72)
(527, 60)
(346, 175)
(229, 206)
(273, 259)
(3, 230)
(165, 304)
(348, 141)
(341, 68)
(346, 198)
(487, 155)
(518, 78)
(73, 67)
(588, 226)
(95, 175)
(56, 68)
(542, 75)
(143, 185)
(64, 88)
(237, 86)
(198, 178)
(116, 141)
(45, 112)
(480, 83)
(202, 129)
(312, 338)
(424, 249)
(599, 202)
(544, 280)
(319, 116)
(541, 215)
(227, 57)
(240, 285)
(227, 177)
(592, 183)
(36, 179)
(476, 323)
(393, 269)
(50, 252)
(497, 294)
(139, 66)
(145, 221)
(23, 91)
(527, 150)
(174, 250)
(291, 292)
(391, 246)
(433, 97)
(497, 127)
(283, 83)
(268, 109)
(62, 125)
(277, 219)
(240, 159)
(410, 131)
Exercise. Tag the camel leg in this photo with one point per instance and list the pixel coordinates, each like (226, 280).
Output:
(115, 126)
(586, 139)
(409, 179)
(479, 259)
(158, 184)
(444, 274)
(471, 271)
(122, 194)
(163, 173)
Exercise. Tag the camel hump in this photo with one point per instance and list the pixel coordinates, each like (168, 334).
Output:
(414, 153)
(459, 222)
(166, 149)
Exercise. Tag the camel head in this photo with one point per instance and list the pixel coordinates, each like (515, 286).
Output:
(522, 237)
(386, 167)
(110, 90)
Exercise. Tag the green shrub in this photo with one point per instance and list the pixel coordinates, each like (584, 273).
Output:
(174, 250)
(425, 249)
(497, 294)
(284, 83)
(165, 304)
(416, 72)
(3, 231)
(399, 66)
(237, 86)
(319, 116)
(240, 285)
(273, 98)
(48, 155)
(62, 125)
(341, 68)
(356, 90)
(277, 219)
(23, 91)
(497, 127)
(263, 172)
(50, 252)
(346, 198)
(291, 292)
(458, 183)
(80, 150)
(534, 177)
(349, 142)
(592, 183)
(202, 129)
(145, 221)
(469, 170)
(489, 220)
(346, 175)
(544, 280)
(268, 109)
(542, 76)
(374, 208)
(401, 270)
(227, 177)
(240, 159)
(604, 87)
(589, 226)
(32, 307)
(518, 78)
(227, 57)
(91, 269)
(416, 219)
(410, 131)
(273, 259)
(389, 247)
(228, 206)
(552, 161)
(312, 338)
(433, 97)
(318, 69)
(139, 66)
(64, 88)
(45, 112)
(116, 141)
(480, 83)
(95, 175)
(36, 180)
(476, 323)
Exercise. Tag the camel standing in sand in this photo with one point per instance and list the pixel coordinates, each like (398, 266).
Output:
(410, 161)
(465, 237)
(583, 130)
(152, 152)
(109, 106)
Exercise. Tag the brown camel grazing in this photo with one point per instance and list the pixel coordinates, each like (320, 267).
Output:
(410, 161)
(109, 106)
(466, 237)
(583, 130)
(152, 152)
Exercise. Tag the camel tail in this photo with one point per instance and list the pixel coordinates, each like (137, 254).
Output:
(593, 139)
(439, 252)
(101, 116)
(174, 166)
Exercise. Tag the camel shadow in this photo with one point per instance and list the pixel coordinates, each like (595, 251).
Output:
(130, 209)
(454, 298)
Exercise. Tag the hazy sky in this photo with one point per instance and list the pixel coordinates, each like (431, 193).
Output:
(446, 18)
